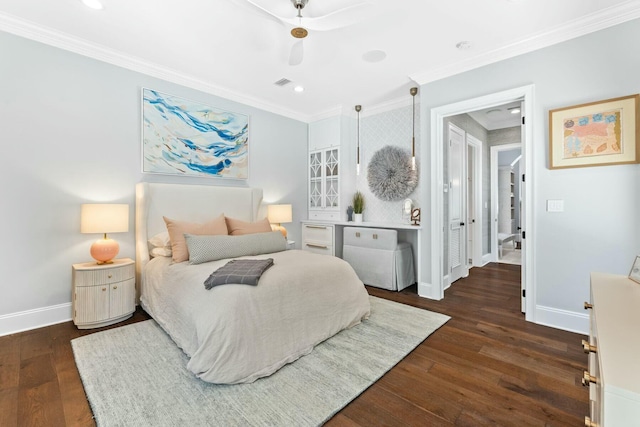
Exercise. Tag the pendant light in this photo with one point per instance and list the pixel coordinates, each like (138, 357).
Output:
(413, 91)
(358, 108)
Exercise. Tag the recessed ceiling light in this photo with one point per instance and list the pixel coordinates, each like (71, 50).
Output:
(299, 89)
(374, 56)
(464, 45)
(514, 110)
(494, 113)
(93, 4)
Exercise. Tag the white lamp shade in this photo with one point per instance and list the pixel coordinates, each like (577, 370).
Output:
(104, 218)
(279, 214)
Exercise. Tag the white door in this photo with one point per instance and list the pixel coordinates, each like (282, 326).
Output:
(457, 204)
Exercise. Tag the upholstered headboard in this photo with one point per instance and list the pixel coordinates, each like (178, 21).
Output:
(195, 203)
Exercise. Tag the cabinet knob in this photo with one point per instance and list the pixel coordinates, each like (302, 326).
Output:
(589, 423)
(587, 306)
(104, 289)
(110, 276)
(588, 348)
(587, 379)
(115, 287)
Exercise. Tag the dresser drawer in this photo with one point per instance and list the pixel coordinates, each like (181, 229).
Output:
(318, 248)
(317, 233)
(325, 215)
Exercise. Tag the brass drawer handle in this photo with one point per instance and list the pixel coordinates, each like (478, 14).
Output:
(587, 306)
(317, 227)
(104, 289)
(587, 379)
(588, 348)
(317, 246)
(115, 287)
(589, 423)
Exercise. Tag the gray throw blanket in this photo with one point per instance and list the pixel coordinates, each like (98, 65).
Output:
(239, 271)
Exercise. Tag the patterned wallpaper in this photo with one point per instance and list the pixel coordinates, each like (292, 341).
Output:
(387, 128)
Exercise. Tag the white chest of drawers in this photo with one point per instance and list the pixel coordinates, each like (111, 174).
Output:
(318, 238)
(103, 294)
(614, 359)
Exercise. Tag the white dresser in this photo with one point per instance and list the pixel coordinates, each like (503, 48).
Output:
(614, 351)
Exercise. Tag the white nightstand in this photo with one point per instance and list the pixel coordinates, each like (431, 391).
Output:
(103, 294)
(291, 244)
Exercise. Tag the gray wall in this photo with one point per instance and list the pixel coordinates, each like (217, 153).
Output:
(599, 230)
(71, 135)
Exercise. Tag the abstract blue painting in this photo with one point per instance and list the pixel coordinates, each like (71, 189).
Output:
(186, 138)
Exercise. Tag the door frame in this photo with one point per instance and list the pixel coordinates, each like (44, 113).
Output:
(493, 212)
(476, 145)
(435, 289)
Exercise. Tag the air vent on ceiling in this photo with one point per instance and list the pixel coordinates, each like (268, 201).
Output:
(282, 82)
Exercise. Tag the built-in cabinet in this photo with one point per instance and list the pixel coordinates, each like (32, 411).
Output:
(324, 169)
(613, 377)
(318, 238)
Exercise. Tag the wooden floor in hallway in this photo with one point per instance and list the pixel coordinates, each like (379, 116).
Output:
(485, 366)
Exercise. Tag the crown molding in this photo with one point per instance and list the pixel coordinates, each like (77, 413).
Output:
(606, 18)
(59, 39)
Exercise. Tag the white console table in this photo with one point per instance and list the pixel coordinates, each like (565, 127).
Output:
(406, 233)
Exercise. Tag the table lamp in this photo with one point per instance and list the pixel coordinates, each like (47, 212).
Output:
(277, 215)
(104, 218)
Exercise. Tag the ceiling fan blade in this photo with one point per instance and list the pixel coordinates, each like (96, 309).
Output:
(296, 54)
(254, 7)
(340, 18)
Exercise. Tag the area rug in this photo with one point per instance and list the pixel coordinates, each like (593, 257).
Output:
(136, 376)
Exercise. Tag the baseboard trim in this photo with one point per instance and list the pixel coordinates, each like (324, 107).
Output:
(32, 319)
(562, 319)
(427, 290)
(446, 282)
(486, 259)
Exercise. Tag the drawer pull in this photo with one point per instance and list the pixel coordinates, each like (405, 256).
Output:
(587, 306)
(110, 276)
(589, 423)
(317, 246)
(587, 379)
(357, 234)
(317, 227)
(104, 289)
(115, 287)
(588, 348)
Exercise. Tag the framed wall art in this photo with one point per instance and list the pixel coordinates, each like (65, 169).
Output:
(595, 134)
(182, 137)
(634, 274)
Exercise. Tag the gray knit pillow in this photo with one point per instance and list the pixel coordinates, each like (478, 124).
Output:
(205, 248)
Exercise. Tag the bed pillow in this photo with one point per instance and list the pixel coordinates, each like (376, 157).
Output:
(165, 252)
(212, 248)
(177, 230)
(160, 245)
(237, 227)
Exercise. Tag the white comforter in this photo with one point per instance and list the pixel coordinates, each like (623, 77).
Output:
(239, 333)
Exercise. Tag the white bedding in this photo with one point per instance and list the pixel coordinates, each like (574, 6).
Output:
(239, 333)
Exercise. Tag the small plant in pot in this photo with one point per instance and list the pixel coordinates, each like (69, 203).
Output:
(358, 206)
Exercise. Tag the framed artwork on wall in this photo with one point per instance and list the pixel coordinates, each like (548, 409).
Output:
(182, 137)
(634, 274)
(595, 134)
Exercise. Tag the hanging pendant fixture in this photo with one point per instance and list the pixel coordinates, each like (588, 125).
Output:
(413, 91)
(358, 108)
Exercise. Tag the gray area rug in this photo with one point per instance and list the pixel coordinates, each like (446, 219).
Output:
(136, 376)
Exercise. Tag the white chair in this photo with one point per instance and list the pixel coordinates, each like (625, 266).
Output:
(378, 258)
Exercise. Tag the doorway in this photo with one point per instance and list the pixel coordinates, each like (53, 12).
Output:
(440, 186)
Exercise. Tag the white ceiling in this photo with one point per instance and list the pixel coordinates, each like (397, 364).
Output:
(227, 48)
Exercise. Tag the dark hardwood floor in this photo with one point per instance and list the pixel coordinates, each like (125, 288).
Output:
(486, 366)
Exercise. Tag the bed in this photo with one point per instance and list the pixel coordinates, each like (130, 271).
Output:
(239, 333)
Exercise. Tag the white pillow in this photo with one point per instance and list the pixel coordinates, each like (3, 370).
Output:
(212, 247)
(160, 240)
(166, 252)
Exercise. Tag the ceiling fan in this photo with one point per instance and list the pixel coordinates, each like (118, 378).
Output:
(301, 25)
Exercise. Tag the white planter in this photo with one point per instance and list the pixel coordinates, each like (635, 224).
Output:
(357, 217)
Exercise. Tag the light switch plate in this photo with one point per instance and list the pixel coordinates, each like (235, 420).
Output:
(555, 205)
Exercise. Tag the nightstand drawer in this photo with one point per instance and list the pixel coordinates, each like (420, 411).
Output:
(96, 277)
(318, 248)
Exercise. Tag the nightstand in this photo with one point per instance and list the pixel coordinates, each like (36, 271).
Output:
(103, 294)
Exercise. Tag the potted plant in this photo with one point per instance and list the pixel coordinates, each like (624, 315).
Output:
(358, 206)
